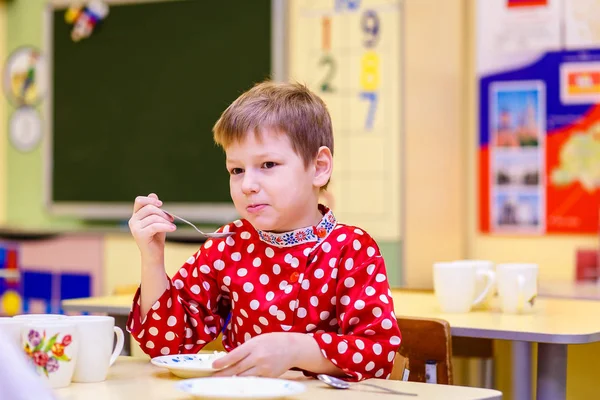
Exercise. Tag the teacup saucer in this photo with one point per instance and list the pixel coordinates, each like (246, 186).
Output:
(188, 365)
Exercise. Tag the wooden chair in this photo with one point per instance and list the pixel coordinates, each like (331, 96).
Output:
(215, 345)
(401, 370)
(424, 339)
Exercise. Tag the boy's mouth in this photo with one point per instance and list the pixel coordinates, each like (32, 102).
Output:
(255, 208)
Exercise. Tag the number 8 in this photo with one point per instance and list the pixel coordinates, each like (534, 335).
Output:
(369, 72)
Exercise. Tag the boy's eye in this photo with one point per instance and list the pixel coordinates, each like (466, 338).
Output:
(236, 171)
(269, 164)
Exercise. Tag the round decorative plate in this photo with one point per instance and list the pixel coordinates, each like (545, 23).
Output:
(25, 129)
(25, 77)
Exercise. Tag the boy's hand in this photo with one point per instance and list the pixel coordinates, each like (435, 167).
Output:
(149, 225)
(268, 355)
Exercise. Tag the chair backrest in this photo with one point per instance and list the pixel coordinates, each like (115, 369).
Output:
(425, 339)
(215, 345)
(401, 368)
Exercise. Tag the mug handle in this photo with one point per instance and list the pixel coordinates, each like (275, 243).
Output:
(118, 347)
(520, 292)
(491, 280)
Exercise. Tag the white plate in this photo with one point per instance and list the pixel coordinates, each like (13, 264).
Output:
(234, 387)
(188, 365)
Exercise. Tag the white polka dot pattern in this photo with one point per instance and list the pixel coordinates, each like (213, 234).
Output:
(336, 292)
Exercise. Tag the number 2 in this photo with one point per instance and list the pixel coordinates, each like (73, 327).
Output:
(329, 62)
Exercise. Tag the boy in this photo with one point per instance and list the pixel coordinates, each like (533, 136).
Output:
(303, 290)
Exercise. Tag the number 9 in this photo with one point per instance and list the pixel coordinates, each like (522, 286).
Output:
(370, 26)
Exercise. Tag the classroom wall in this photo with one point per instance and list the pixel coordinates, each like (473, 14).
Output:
(555, 254)
(440, 154)
(435, 165)
(24, 179)
(3, 119)
(441, 175)
(435, 150)
(24, 172)
(440, 144)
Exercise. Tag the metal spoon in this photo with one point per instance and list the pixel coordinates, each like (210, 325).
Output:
(340, 384)
(210, 235)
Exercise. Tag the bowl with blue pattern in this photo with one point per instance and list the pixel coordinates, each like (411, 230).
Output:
(188, 365)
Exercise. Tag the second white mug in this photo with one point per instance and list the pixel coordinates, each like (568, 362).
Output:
(517, 286)
(96, 353)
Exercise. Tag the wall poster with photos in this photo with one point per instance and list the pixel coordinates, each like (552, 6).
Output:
(538, 67)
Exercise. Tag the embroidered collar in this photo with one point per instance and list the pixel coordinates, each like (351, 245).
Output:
(302, 235)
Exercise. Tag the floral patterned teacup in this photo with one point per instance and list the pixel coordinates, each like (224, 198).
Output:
(39, 317)
(52, 346)
(11, 328)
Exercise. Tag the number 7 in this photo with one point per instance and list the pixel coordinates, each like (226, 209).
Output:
(372, 97)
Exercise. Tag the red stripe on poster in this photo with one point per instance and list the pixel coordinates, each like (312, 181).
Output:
(484, 190)
(525, 3)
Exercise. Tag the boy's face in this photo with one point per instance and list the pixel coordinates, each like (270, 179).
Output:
(269, 184)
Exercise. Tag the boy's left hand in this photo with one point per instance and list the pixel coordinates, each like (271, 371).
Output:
(268, 355)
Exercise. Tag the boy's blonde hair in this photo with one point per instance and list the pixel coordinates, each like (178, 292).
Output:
(290, 108)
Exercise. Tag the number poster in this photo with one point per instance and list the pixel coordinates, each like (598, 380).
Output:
(349, 53)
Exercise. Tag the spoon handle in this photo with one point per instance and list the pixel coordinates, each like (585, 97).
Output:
(208, 235)
(184, 220)
(387, 389)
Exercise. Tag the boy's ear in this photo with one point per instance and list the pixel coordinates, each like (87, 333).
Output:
(323, 167)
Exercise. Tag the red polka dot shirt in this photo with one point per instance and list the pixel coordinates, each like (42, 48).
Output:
(328, 281)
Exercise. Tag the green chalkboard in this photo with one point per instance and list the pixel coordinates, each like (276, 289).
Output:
(134, 104)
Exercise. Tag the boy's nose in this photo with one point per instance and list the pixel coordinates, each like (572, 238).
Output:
(249, 184)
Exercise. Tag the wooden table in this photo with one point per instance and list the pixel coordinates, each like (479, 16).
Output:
(570, 290)
(554, 324)
(135, 378)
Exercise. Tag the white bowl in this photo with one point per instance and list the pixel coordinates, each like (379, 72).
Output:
(188, 365)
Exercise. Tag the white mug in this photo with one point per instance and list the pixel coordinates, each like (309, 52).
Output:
(96, 354)
(39, 317)
(11, 328)
(52, 346)
(517, 286)
(482, 280)
(455, 286)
